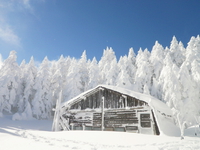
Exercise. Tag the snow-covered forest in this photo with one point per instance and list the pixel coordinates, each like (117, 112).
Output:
(171, 74)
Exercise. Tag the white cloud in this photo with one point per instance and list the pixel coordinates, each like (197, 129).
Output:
(26, 2)
(7, 35)
(7, 32)
(27, 6)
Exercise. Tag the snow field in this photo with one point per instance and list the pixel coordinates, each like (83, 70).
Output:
(36, 134)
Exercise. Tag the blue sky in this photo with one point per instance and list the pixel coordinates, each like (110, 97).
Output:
(51, 28)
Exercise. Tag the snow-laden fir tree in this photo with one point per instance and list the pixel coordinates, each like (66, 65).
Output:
(56, 85)
(123, 76)
(185, 107)
(9, 80)
(144, 71)
(177, 52)
(108, 67)
(83, 72)
(42, 104)
(21, 86)
(169, 83)
(112, 73)
(156, 61)
(27, 90)
(93, 72)
(131, 67)
(73, 86)
(59, 79)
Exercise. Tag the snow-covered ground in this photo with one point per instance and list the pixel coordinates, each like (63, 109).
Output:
(34, 134)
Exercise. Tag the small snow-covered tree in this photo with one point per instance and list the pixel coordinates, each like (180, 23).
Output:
(176, 52)
(131, 67)
(21, 86)
(56, 85)
(169, 83)
(195, 77)
(111, 75)
(93, 74)
(9, 80)
(144, 71)
(42, 104)
(192, 51)
(156, 89)
(83, 71)
(108, 67)
(28, 92)
(175, 91)
(59, 79)
(123, 79)
(156, 60)
(74, 86)
(187, 108)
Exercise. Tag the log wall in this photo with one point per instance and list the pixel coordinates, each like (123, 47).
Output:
(120, 112)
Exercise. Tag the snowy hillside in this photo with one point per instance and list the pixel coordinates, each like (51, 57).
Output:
(36, 134)
(170, 74)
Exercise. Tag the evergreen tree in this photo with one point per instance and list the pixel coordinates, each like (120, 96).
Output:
(21, 87)
(42, 104)
(192, 51)
(27, 90)
(107, 64)
(195, 77)
(112, 73)
(59, 79)
(74, 85)
(169, 83)
(176, 52)
(156, 60)
(123, 77)
(56, 85)
(83, 71)
(131, 67)
(93, 74)
(144, 71)
(189, 95)
(9, 80)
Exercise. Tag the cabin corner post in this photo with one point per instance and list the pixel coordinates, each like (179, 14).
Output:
(102, 112)
(57, 113)
(102, 109)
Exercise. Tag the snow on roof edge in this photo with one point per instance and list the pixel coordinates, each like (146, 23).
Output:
(143, 97)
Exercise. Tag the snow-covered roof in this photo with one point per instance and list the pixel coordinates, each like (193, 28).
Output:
(161, 111)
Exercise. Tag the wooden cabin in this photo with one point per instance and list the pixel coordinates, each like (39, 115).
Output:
(109, 108)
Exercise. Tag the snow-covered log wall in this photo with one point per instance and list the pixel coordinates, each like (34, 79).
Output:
(110, 108)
